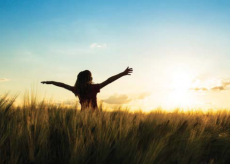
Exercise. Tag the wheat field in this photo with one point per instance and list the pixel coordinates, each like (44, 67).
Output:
(43, 133)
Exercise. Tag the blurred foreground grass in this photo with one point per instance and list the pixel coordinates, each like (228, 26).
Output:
(42, 133)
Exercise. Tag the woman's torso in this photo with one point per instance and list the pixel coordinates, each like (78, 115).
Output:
(89, 100)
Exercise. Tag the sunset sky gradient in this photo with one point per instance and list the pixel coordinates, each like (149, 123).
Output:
(179, 49)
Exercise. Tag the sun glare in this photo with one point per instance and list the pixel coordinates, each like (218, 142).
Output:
(179, 95)
(181, 81)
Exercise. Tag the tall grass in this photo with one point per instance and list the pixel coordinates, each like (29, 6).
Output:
(43, 133)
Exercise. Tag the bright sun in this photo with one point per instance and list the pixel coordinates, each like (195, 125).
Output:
(181, 81)
(179, 87)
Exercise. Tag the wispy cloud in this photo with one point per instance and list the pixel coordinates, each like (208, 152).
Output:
(70, 51)
(4, 79)
(199, 89)
(76, 51)
(144, 95)
(225, 83)
(97, 45)
(118, 99)
(220, 87)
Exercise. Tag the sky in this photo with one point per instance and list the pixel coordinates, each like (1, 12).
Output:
(179, 50)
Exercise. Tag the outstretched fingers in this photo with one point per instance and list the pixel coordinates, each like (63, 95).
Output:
(128, 71)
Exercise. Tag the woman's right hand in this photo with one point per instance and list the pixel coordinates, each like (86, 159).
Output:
(128, 71)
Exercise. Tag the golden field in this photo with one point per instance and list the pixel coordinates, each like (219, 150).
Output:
(43, 133)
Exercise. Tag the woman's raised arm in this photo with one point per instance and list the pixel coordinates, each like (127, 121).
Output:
(70, 88)
(127, 71)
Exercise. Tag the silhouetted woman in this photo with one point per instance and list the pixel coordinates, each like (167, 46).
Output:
(86, 90)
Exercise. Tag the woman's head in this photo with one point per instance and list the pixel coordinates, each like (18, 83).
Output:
(84, 79)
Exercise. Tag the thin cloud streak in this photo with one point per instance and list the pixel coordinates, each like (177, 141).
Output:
(118, 99)
(4, 79)
(218, 88)
(144, 95)
(223, 86)
(125, 99)
(96, 45)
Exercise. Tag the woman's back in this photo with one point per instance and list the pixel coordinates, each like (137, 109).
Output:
(89, 99)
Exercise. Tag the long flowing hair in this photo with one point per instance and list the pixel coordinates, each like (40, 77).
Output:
(84, 80)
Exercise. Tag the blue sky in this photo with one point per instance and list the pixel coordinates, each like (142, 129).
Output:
(54, 40)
